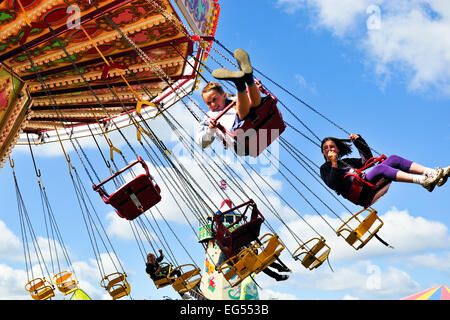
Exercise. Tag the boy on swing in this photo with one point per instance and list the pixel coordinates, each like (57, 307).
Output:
(248, 95)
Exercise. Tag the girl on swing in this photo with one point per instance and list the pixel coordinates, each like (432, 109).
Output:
(248, 95)
(394, 168)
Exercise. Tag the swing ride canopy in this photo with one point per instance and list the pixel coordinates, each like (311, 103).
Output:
(441, 292)
(68, 64)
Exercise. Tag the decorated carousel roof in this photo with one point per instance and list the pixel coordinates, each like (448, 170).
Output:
(68, 63)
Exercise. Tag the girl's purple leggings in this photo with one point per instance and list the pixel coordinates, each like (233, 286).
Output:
(389, 168)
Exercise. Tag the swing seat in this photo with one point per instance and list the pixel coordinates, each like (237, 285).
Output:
(188, 280)
(164, 281)
(135, 197)
(366, 229)
(365, 195)
(205, 233)
(248, 261)
(232, 239)
(310, 258)
(40, 289)
(362, 192)
(116, 284)
(263, 125)
(239, 267)
(65, 282)
(271, 247)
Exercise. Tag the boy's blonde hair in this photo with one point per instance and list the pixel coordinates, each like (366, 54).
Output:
(213, 86)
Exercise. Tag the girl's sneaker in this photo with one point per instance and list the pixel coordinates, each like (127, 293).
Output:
(430, 182)
(243, 60)
(445, 175)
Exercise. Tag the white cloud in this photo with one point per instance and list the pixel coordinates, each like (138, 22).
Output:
(10, 244)
(359, 279)
(410, 234)
(305, 84)
(291, 6)
(118, 227)
(267, 294)
(12, 282)
(432, 261)
(121, 228)
(349, 297)
(412, 41)
(408, 37)
(89, 276)
(11, 247)
(350, 277)
(301, 80)
(338, 16)
(354, 280)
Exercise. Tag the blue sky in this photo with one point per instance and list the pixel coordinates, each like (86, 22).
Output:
(389, 82)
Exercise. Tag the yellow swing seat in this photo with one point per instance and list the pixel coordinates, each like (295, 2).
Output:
(65, 282)
(314, 257)
(116, 284)
(40, 289)
(248, 261)
(366, 229)
(167, 280)
(188, 280)
(271, 247)
(239, 267)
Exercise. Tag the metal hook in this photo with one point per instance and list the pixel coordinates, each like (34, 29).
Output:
(11, 162)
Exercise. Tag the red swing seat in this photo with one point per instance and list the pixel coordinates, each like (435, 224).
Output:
(134, 197)
(239, 234)
(364, 193)
(263, 125)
